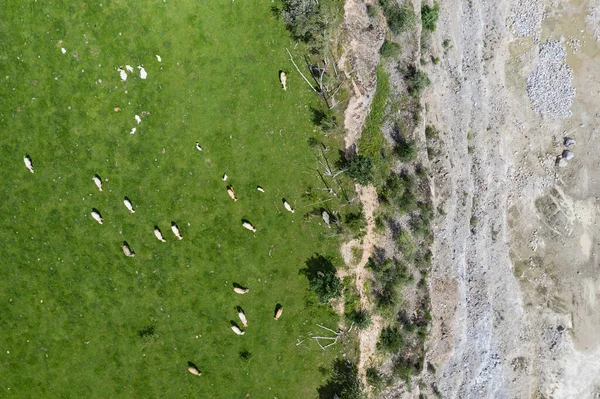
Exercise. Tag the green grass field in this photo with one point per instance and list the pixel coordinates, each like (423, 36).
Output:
(78, 319)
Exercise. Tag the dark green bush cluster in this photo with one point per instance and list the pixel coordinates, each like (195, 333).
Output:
(429, 16)
(322, 279)
(398, 191)
(375, 378)
(360, 168)
(399, 18)
(390, 49)
(420, 222)
(388, 276)
(344, 382)
(390, 340)
(417, 81)
(360, 317)
(304, 20)
(406, 150)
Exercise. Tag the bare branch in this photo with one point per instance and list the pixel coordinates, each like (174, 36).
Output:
(298, 69)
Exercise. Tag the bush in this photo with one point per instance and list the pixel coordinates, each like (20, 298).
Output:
(374, 377)
(390, 340)
(417, 81)
(360, 168)
(304, 20)
(325, 119)
(361, 318)
(245, 355)
(390, 49)
(399, 18)
(429, 16)
(406, 150)
(355, 223)
(371, 10)
(322, 280)
(406, 244)
(344, 382)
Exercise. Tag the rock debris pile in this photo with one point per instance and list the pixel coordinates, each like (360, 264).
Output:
(550, 86)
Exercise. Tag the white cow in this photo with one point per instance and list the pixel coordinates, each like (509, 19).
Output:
(97, 182)
(283, 80)
(132, 131)
(198, 147)
(159, 235)
(248, 225)
(97, 217)
(143, 73)
(278, 312)
(127, 251)
(231, 193)
(28, 163)
(225, 177)
(259, 188)
(128, 205)
(158, 58)
(288, 206)
(175, 230)
(129, 68)
(138, 119)
(242, 317)
(240, 290)
(193, 369)
(237, 330)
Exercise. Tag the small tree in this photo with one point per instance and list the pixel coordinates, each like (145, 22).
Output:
(360, 168)
(360, 317)
(390, 340)
(429, 16)
(399, 18)
(417, 81)
(303, 19)
(321, 278)
(406, 150)
(390, 49)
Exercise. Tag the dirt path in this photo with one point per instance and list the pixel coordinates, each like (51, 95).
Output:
(367, 337)
(359, 62)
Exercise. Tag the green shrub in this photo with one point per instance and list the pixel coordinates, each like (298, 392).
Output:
(371, 10)
(431, 132)
(374, 377)
(324, 119)
(399, 18)
(344, 382)
(429, 16)
(390, 49)
(390, 340)
(406, 244)
(403, 369)
(322, 279)
(406, 150)
(304, 20)
(417, 81)
(360, 168)
(360, 317)
(355, 223)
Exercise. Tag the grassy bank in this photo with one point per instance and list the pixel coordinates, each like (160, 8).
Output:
(80, 319)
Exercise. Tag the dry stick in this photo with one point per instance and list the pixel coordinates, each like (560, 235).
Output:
(329, 329)
(298, 69)
(327, 346)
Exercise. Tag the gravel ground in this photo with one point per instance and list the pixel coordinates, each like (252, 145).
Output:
(550, 86)
(526, 18)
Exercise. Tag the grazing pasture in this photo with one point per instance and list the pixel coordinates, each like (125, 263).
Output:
(80, 319)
